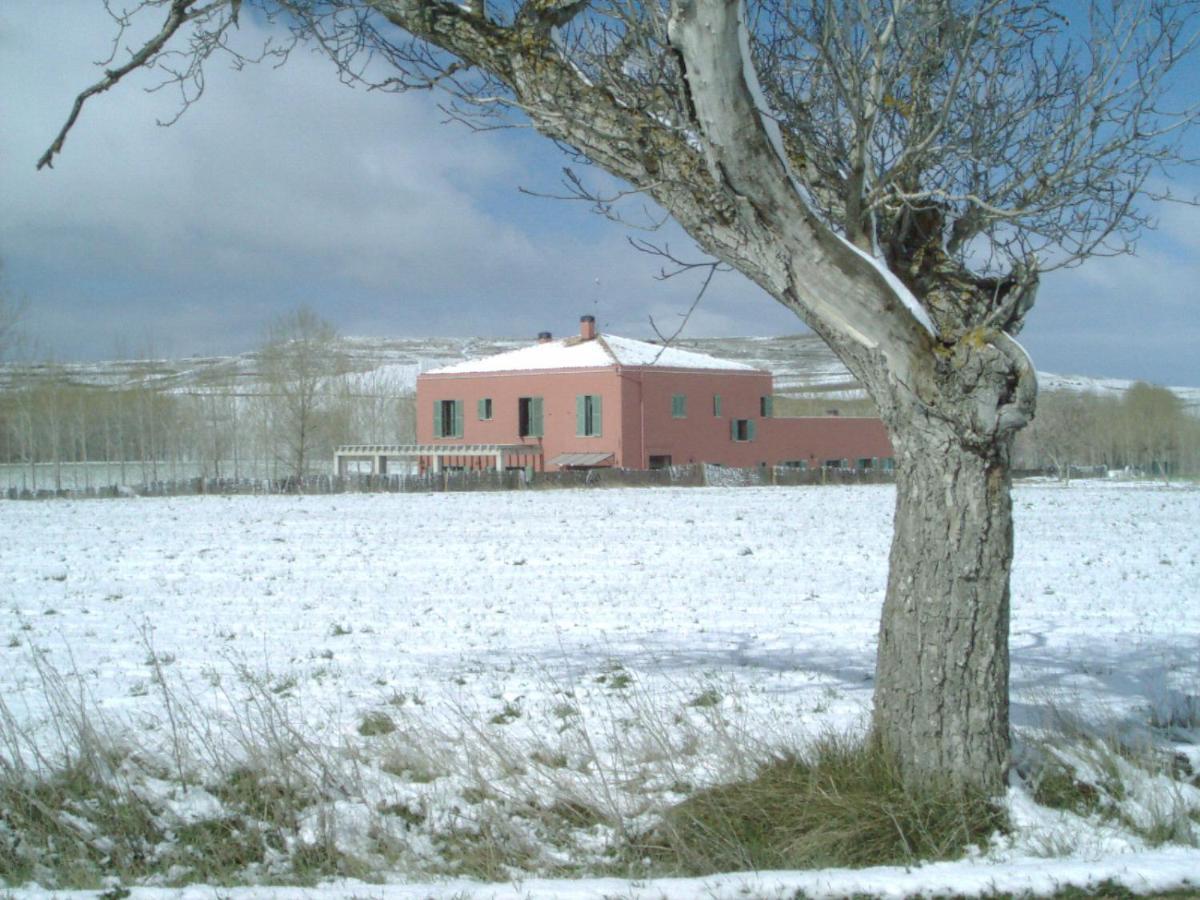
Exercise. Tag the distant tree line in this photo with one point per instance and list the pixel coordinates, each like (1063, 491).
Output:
(284, 422)
(1146, 430)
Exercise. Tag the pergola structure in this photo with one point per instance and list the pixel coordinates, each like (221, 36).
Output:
(500, 455)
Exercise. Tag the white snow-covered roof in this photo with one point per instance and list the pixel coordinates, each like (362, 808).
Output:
(603, 351)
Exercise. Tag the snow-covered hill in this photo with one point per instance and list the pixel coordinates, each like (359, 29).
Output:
(801, 363)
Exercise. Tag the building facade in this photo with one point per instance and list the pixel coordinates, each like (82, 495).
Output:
(601, 400)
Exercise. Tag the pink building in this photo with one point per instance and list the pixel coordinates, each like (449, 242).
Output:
(600, 400)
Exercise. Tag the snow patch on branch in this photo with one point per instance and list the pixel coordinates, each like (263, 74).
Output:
(770, 121)
(1021, 347)
(899, 288)
(557, 42)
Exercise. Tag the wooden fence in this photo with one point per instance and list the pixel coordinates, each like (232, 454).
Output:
(676, 476)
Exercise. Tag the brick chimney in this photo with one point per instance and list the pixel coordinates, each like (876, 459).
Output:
(587, 327)
(544, 337)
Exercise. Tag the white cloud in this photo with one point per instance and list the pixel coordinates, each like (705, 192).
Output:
(250, 173)
(282, 186)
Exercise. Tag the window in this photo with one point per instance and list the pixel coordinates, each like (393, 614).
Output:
(741, 429)
(660, 462)
(447, 418)
(864, 462)
(679, 406)
(485, 409)
(834, 464)
(717, 405)
(529, 417)
(587, 415)
(766, 406)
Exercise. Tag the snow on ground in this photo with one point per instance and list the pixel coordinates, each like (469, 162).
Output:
(477, 615)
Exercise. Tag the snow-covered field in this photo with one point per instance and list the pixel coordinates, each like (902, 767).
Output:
(668, 636)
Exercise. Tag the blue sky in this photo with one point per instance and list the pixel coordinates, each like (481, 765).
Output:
(283, 187)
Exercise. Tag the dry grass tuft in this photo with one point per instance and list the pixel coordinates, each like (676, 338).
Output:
(841, 804)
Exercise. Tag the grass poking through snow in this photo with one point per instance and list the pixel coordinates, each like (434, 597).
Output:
(1126, 775)
(580, 779)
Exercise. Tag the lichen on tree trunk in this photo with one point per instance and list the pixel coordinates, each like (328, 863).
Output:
(941, 690)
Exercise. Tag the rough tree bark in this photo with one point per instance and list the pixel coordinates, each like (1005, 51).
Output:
(941, 694)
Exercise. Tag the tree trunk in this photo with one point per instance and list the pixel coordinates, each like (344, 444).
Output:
(941, 687)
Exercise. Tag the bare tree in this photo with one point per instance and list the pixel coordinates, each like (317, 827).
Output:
(896, 172)
(24, 425)
(10, 315)
(9, 419)
(48, 409)
(382, 407)
(142, 393)
(300, 363)
(210, 417)
(1154, 422)
(1063, 432)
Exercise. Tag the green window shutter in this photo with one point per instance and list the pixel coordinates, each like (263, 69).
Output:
(480, 409)
(437, 419)
(768, 406)
(580, 415)
(716, 404)
(733, 429)
(750, 429)
(597, 415)
(679, 406)
(458, 418)
(535, 416)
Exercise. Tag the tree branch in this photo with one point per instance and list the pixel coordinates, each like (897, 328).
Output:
(176, 18)
(840, 290)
